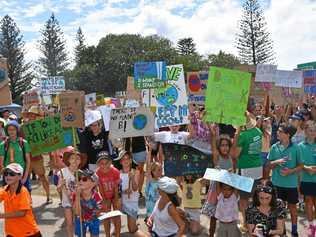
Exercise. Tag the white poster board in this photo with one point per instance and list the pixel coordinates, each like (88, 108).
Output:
(291, 79)
(52, 85)
(171, 101)
(131, 122)
(265, 72)
(106, 114)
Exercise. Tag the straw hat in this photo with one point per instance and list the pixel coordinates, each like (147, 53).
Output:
(32, 110)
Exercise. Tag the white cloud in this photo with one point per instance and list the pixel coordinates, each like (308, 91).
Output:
(34, 10)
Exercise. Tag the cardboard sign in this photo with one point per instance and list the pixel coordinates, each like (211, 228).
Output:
(183, 160)
(227, 96)
(6, 97)
(3, 70)
(170, 102)
(239, 182)
(52, 85)
(131, 92)
(265, 72)
(149, 75)
(46, 135)
(131, 122)
(91, 99)
(72, 109)
(196, 87)
(284, 96)
(292, 79)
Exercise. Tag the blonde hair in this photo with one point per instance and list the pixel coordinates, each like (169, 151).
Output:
(154, 166)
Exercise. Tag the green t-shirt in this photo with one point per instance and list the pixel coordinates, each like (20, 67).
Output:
(292, 155)
(308, 157)
(250, 142)
(18, 153)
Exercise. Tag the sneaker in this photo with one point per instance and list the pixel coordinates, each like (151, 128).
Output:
(311, 231)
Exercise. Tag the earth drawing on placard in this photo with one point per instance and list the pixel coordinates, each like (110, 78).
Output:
(140, 121)
(167, 95)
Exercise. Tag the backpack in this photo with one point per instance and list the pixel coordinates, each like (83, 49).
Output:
(6, 148)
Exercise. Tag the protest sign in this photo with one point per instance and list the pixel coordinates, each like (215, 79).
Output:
(110, 214)
(292, 79)
(131, 122)
(5, 92)
(6, 97)
(91, 99)
(3, 70)
(46, 135)
(170, 102)
(100, 99)
(196, 87)
(227, 96)
(285, 95)
(91, 116)
(149, 75)
(105, 110)
(183, 160)
(72, 109)
(309, 77)
(131, 92)
(52, 85)
(265, 72)
(239, 182)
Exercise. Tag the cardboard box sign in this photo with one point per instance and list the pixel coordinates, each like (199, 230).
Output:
(6, 97)
(72, 109)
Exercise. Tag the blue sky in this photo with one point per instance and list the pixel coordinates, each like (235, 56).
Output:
(211, 23)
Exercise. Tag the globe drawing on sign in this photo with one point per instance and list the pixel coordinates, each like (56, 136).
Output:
(167, 95)
(140, 121)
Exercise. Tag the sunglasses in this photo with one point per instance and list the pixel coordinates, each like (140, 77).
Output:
(9, 173)
(265, 189)
(84, 179)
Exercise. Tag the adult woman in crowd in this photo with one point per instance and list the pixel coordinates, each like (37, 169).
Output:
(266, 215)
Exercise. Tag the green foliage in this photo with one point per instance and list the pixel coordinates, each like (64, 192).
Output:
(223, 59)
(12, 48)
(186, 46)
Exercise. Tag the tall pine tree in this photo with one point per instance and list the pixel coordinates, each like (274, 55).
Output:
(186, 46)
(80, 47)
(12, 48)
(53, 47)
(253, 40)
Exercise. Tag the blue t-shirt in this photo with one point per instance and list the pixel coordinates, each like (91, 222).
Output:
(308, 156)
(151, 196)
(292, 156)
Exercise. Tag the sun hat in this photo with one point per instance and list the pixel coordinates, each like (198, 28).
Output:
(168, 185)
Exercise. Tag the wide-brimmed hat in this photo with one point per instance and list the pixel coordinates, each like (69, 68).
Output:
(122, 154)
(33, 110)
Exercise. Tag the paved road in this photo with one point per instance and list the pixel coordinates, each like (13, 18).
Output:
(51, 221)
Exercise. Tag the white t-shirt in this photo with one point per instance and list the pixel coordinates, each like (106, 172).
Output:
(70, 185)
(168, 137)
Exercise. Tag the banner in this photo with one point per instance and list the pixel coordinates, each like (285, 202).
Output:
(46, 135)
(52, 85)
(292, 79)
(72, 109)
(131, 122)
(196, 87)
(227, 96)
(91, 99)
(239, 182)
(265, 72)
(170, 102)
(149, 75)
(309, 77)
(183, 160)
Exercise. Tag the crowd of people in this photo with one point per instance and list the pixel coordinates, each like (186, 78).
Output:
(276, 148)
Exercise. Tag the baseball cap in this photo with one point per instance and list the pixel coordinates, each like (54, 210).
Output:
(15, 167)
(168, 185)
(297, 116)
(103, 155)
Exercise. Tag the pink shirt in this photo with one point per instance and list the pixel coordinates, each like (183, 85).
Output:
(227, 208)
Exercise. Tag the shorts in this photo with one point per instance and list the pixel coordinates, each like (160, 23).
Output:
(140, 157)
(130, 209)
(289, 195)
(37, 166)
(246, 195)
(193, 214)
(93, 226)
(308, 189)
(228, 229)
(264, 158)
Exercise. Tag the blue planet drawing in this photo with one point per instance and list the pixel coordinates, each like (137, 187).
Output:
(140, 121)
(167, 96)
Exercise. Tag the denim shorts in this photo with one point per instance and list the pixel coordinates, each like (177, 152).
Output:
(140, 157)
(93, 226)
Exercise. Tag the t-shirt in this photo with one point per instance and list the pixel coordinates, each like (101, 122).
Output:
(92, 145)
(168, 137)
(20, 201)
(70, 186)
(138, 144)
(250, 142)
(298, 137)
(108, 182)
(308, 157)
(292, 156)
(18, 152)
(151, 196)
(90, 207)
(227, 208)
(192, 195)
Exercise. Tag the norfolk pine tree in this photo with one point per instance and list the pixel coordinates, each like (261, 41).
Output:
(54, 59)
(253, 40)
(80, 47)
(12, 48)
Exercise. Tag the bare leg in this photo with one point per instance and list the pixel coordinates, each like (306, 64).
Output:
(212, 226)
(69, 222)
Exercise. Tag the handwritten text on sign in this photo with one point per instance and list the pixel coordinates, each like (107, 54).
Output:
(52, 85)
(184, 160)
(131, 122)
(46, 135)
(196, 85)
